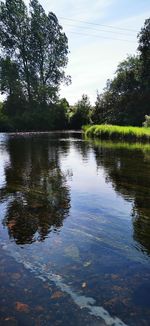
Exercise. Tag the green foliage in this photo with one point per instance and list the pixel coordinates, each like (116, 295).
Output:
(126, 98)
(46, 118)
(80, 113)
(50, 118)
(122, 101)
(144, 50)
(33, 57)
(118, 132)
(49, 49)
(4, 120)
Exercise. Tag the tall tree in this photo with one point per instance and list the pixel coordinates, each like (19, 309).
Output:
(144, 50)
(14, 38)
(126, 98)
(117, 104)
(34, 43)
(10, 82)
(49, 49)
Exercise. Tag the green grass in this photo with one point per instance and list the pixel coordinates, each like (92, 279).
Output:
(118, 132)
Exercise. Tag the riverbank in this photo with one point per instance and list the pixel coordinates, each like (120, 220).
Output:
(118, 132)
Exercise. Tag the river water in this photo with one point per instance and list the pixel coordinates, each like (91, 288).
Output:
(74, 231)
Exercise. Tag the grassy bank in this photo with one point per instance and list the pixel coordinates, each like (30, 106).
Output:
(118, 132)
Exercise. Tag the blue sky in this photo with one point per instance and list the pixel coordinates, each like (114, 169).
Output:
(94, 57)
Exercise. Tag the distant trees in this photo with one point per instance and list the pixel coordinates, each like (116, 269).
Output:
(126, 98)
(80, 114)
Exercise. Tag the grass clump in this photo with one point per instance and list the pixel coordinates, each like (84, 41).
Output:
(118, 132)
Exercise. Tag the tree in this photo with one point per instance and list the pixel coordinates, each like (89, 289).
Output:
(118, 103)
(14, 38)
(81, 113)
(35, 46)
(126, 98)
(4, 121)
(48, 52)
(144, 50)
(103, 111)
(10, 83)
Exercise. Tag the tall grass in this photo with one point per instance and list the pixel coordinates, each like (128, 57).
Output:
(118, 132)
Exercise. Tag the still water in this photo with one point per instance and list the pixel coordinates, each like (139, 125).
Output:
(74, 231)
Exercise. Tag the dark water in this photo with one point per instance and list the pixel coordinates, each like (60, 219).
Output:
(74, 231)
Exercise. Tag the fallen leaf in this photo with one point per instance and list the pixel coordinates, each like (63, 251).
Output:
(46, 286)
(39, 308)
(22, 307)
(57, 295)
(112, 301)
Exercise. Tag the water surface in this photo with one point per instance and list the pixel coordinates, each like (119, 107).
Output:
(75, 231)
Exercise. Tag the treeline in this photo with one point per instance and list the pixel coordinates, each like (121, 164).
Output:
(55, 116)
(32, 67)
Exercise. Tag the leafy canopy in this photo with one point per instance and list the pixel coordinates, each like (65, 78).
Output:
(34, 52)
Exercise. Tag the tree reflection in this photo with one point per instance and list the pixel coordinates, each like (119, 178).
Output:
(40, 195)
(127, 170)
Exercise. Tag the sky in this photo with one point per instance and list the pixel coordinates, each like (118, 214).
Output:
(96, 50)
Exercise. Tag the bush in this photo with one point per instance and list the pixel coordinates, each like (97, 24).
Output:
(49, 118)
